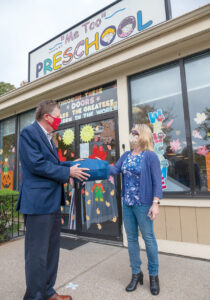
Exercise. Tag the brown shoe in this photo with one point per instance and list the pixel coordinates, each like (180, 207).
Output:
(60, 297)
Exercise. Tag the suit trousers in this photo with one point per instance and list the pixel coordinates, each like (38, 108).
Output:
(42, 247)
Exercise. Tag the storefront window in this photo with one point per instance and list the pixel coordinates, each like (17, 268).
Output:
(180, 7)
(198, 87)
(7, 153)
(156, 100)
(27, 119)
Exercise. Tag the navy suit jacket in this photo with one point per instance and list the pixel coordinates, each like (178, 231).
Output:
(42, 174)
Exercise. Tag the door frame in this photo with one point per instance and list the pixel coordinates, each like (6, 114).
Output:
(76, 124)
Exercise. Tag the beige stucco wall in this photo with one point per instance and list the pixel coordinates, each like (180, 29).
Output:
(182, 226)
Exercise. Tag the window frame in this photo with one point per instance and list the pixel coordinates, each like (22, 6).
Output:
(192, 194)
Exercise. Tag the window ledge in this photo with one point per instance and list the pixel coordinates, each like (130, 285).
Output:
(185, 202)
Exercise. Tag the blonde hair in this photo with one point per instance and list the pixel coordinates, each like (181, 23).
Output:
(144, 140)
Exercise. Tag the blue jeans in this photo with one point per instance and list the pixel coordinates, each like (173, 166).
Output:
(134, 217)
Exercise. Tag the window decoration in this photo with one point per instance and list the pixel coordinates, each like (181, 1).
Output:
(87, 133)
(68, 137)
(156, 119)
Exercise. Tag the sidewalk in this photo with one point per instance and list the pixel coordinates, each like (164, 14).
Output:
(101, 272)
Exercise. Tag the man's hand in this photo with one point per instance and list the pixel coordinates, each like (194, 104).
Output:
(154, 211)
(79, 173)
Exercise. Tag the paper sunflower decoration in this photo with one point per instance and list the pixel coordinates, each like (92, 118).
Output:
(68, 137)
(87, 133)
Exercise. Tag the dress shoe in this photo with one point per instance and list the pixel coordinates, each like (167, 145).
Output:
(60, 297)
(134, 281)
(154, 285)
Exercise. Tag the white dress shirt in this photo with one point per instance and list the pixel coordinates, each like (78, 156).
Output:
(48, 135)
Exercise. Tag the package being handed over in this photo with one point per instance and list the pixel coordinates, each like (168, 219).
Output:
(98, 169)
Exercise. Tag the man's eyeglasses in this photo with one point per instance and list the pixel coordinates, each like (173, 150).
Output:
(134, 132)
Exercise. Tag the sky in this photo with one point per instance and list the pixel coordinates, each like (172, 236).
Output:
(26, 24)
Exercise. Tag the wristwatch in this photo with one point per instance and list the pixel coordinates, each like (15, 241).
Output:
(156, 201)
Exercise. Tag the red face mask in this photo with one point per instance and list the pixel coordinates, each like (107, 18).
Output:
(56, 122)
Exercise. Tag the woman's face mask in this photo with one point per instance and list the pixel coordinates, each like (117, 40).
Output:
(133, 137)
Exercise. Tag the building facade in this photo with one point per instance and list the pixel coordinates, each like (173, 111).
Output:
(158, 75)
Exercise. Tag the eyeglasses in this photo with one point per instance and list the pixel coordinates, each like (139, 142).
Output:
(134, 132)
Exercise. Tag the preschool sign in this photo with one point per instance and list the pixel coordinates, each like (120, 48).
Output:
(110, 26)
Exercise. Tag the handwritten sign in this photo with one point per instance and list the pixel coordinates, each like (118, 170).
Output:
(88, 104)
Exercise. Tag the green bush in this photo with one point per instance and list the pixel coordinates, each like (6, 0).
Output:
(8, 214)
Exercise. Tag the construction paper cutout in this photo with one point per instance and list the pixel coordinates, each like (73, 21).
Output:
(5, 165)
(112, 193)
(157, 127)
(98, 152)
(68, 137)
(114, 219)
(156, 116)
(208, 170)
(158, 137)
(163, 183)
(7, 180)
(89, 202)
(111, 179)
(196, 134)
(87, 218)
(98, 211)
(169, 123)
(159, 149)
(202, 151)
(108, 133)
(99, 226)
(60, 155)
(178, 132)
(108, 204)
(156, 119)
(87, 133)
(200, 118)
(96, 139)
(175, 145)
(86, 193)
(99, 190)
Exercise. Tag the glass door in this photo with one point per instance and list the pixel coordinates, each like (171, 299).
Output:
(64, 141)
(92, 208)
(99, 200)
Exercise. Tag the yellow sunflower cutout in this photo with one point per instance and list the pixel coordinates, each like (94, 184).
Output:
(87, 133)
(68, 137)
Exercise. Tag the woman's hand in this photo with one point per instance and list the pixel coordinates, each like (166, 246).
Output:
(153, 212)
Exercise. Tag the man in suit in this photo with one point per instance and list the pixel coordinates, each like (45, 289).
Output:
(41, 195)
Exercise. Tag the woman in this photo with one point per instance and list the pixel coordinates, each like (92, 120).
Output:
(141, 191)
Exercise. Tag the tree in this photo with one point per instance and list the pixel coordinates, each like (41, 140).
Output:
(5, 87)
